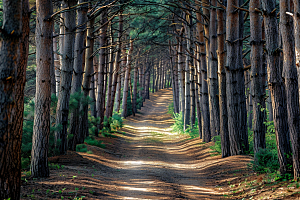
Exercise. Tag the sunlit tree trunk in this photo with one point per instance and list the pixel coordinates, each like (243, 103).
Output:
(276, 85)
(62, 110)
(291, 81)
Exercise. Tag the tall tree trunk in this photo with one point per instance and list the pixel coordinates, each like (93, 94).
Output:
(181, 75)
(100, 88)
(56, 64)
(117, 65)
(198, 91)
(188, 63)
(78, 72)
(291, 81)
(62, 110)
(110, 78)
(276, 85)
(213, 69)
(41, 128)
(206, 136)
(297, 37)
(93, 90)
(222, 85)
(242, 97)
(135, 79)
(84, 107)
(259, 129)
(13, 56)
(234, 77)
(126, 81)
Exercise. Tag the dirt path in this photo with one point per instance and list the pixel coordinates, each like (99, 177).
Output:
(146, 162)
(155, 166)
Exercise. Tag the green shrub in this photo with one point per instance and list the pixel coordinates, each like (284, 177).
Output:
(171, 108)
(81, 148)
(265, 161)
(178, 126)
(111, 124)
(92, 141)
(217, 146)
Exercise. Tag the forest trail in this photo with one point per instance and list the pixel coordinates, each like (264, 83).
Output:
(144, 161)
(155, 166)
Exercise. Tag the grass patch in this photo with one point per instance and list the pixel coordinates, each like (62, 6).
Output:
(81, 148)
(92, 141)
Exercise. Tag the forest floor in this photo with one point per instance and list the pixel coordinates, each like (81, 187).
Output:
(146, 161)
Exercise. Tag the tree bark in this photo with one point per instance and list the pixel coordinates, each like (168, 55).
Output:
(205, 117)
(100, 88)
(257, 85)
(291, 82)
(222, 85)
(13, 61)
(276, 85)
(234, 77)
(41, 128)
(126, 81)
(117, 65)
(297, 36)
(188, 63)
(62, 110)
(213, 69)
(110, 78)
(78, 72)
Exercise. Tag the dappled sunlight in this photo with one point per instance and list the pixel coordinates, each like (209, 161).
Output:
(149, 161)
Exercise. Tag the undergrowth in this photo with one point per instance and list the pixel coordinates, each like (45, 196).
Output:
(92, 141)
(178, 126)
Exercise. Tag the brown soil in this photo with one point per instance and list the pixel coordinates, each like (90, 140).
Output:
(146, 161)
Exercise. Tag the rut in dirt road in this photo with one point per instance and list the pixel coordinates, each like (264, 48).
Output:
(153, 164)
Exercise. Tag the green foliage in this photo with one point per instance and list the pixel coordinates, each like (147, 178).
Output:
(92, 124)
(178, 126)
(81, 148)
(139, 99)
(92, 141)
(265, 161)
(111, 124)
(171, 108)
(217, 146)
(129, 104)
(28, 131)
